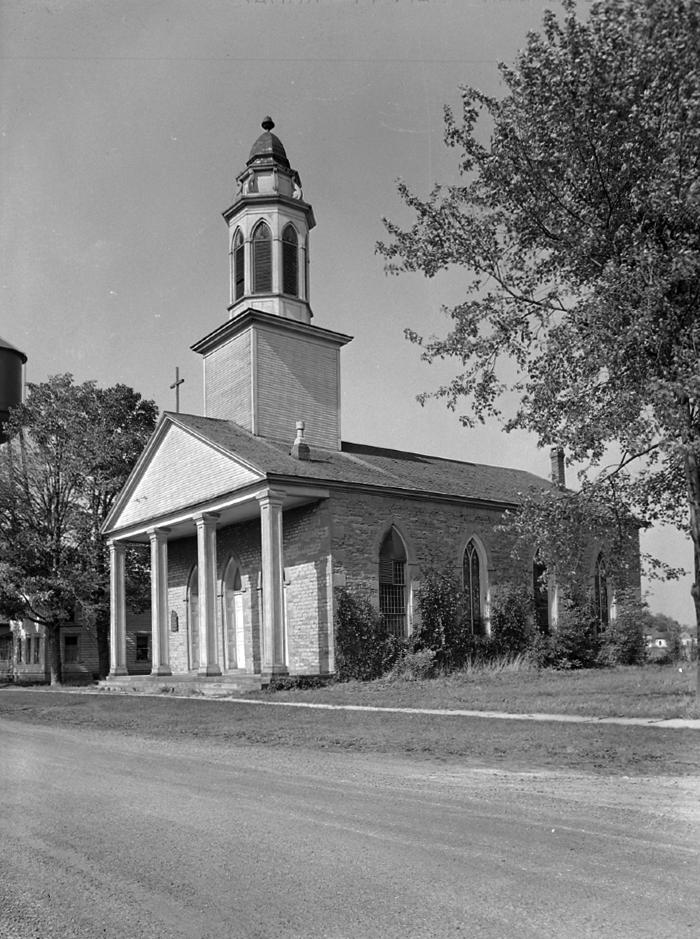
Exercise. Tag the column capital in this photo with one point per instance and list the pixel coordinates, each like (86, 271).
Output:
(158, 533)
(206, 518)
(117, 547)
(272, 497)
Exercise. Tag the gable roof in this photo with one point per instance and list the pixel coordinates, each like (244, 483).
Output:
(363, 465)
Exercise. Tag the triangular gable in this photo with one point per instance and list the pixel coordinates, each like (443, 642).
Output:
(180, 470)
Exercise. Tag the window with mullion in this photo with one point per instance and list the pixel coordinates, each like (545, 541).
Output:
(471, 575)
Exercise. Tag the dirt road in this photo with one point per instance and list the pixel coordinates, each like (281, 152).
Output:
(105, 835)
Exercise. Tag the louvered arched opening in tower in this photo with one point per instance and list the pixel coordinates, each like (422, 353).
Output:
(262, 259)
(238, 265)
(290, 261)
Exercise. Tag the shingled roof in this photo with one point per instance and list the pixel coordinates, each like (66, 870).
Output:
(362, 465)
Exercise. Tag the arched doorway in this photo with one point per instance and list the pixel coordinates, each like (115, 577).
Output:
(233, 616)
(193, 617)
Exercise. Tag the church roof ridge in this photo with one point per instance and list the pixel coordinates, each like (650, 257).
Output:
(366, 465)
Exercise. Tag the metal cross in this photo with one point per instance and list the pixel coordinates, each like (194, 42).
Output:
(176, 385)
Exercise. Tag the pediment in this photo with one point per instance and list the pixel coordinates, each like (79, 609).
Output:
(180, 470)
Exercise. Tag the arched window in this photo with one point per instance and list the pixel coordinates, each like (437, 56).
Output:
(472, 579)
(600, 594)
(193, 616)
(262, 259)
(238, 265)
(232, 598)
(392, 583)
(290, 261)
(541, 594)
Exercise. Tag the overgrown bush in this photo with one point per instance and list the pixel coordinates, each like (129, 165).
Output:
(363, 648)
(512, 619)
(444, 629)
(575, 642)
(623, 641)
(414, 666)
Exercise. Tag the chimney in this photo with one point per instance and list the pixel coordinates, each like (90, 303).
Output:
(300, 448)
(556, 455)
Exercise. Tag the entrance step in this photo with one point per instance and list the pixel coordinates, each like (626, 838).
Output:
(217, 686)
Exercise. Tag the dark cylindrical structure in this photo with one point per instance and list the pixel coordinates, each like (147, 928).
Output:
(11, 362)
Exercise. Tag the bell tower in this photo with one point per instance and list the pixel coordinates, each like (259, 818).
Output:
(267, 368)
(268, 230)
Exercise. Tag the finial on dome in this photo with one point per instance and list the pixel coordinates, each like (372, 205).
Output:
(268, 123)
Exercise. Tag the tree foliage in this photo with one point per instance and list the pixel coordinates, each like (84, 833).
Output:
(579, 220)
(70, 451)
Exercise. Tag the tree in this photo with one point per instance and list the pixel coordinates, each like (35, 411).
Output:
(70, 451)
(579, 221)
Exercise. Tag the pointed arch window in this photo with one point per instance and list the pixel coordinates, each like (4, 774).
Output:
(238, 265)
(601, 597)
(193, 616)
(473, 582)
(540, 592)
(262, 259)
(392, 583)
(290, 261)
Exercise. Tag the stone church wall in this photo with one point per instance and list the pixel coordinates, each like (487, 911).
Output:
(435, 534)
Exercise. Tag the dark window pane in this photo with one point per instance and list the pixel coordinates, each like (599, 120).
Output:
(238, 266)
(290, 262)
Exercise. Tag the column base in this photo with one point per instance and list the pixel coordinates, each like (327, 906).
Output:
(117, 672)
(209, 670)
(161, 670)
(275, 671)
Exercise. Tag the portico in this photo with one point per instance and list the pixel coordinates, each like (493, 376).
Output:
(247, 521)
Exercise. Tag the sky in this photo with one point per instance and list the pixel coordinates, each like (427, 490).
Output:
(123, 124)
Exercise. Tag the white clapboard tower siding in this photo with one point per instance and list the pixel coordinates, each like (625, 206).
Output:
(267, 367)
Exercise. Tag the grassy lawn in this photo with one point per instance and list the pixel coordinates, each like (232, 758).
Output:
(513, 745)
(651, 691)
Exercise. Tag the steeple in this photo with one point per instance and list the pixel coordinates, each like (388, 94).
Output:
(268, 232)
(267, 368)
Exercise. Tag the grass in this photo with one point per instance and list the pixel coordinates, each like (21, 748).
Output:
(511, 745)
(650, 691)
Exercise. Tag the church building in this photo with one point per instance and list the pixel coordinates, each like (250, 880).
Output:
(256, 510)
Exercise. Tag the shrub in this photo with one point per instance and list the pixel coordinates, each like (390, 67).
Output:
(575, 643)
(414, 666)
(443, 629)
(623, 641)
(512, 619)
(363, 648)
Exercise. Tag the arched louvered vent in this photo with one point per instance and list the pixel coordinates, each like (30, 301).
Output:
(290, 261)
(262, 259)
(238, 265)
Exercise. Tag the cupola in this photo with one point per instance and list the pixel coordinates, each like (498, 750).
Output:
(268, 231)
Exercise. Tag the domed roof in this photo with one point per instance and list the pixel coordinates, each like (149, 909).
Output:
(7, 346)
(268, 146)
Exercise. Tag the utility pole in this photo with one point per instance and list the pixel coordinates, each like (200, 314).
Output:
(176, 385)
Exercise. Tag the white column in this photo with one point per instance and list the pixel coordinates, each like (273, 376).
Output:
(160, 651)
(206, 565)
(274, 646)
(117, 616)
